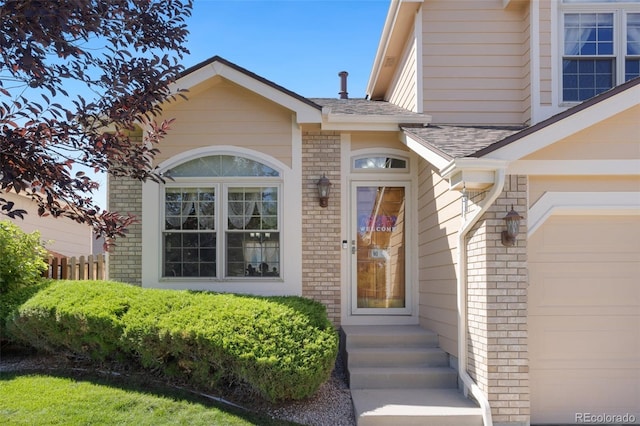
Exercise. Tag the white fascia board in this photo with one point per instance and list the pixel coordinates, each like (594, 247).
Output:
(361, 126)
(472, 173)
(429, 155)
(471, 163)
(304, 113)
(332, 121)
(389, 23)
(575, 167)
(568, 126)
(396, 18)
(581, 203)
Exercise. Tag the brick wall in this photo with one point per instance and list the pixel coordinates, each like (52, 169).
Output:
(125, 259)
(321, 231)
(497, 309)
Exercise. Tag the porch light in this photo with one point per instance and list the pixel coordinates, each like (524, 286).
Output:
(512, 220)
(324, 185)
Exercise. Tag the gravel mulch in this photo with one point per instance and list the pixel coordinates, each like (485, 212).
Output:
(330, 406)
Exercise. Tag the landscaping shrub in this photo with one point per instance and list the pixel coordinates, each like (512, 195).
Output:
(21, 265)
(283, 347)
(11, 300)
(21, 257)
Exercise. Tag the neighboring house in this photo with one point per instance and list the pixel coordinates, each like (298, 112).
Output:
(472, 107)
(63, 237)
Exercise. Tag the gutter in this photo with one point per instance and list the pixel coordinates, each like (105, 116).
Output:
(467, 224)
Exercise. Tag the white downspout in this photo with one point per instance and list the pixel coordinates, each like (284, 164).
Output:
(467, 224)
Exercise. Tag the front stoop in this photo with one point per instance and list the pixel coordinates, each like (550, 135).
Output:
(399, 376)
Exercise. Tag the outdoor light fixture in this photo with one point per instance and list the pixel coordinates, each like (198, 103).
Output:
(512, 220)
(323, 190)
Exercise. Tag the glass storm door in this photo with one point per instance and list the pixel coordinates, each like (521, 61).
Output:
(378, 249)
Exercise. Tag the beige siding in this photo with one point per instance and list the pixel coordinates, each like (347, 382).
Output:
(438, 223)
(367, 140)
(225, 114)
(584, 317)
(404, 85)
(475, 62)
(545, 52)
(538, 185)
(608, 140)
(61, 235)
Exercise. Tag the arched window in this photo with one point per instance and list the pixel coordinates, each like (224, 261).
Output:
(222, 219)
(378, 162)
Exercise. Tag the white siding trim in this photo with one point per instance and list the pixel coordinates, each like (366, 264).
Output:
(581, 203)
(568, 126)
(575, 167)
(304, 113)
(436, 160)
(291, 280)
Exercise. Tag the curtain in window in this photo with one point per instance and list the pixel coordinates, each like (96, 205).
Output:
(242, 206)
(202, 210)
(187, 205)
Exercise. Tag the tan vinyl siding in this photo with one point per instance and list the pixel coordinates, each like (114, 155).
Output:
(61, 235)
(608, 140)
(438, 224)
(475, 62)
(538, 185)
(366, 140)
(225, 114)
(545, 52)
(404, 85)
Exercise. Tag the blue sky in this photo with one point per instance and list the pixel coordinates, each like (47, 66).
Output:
(299, 44)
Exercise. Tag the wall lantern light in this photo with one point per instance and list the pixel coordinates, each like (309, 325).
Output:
(324, 185)
(512, 220)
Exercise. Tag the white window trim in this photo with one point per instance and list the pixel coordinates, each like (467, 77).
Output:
(289, 282)
(619, 10)
(222, 185)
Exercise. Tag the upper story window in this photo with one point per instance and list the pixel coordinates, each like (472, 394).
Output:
(222, 219)
(601, 46)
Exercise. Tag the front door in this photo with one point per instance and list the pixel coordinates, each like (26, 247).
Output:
(378, 249)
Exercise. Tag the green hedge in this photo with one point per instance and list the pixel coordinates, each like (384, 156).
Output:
(283, 347)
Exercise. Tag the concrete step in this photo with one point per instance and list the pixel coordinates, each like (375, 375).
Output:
(389, 336)
(401, 377)
(395, 356)
(424, 407)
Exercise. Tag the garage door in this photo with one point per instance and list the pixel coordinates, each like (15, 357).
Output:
(584, 318)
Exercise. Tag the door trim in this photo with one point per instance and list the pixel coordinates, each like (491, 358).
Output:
(352, 269)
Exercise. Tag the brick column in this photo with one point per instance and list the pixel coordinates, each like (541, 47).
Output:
(321, 228)
(497, 309)
(125, 259)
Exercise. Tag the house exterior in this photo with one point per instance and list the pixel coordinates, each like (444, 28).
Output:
(473, 108)
(60, 236)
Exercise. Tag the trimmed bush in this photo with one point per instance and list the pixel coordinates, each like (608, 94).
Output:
(21, 257)
(283, 347)
(10, 301)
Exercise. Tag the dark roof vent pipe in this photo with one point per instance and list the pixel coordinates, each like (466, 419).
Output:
(343, 85)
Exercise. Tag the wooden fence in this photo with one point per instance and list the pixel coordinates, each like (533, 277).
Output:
(81, 268)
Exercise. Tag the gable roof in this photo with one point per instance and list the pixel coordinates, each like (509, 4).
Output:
(331, 113)
(581, 116)
(306, 110)
(510, 143)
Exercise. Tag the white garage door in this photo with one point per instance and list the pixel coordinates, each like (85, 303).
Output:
(584, 318)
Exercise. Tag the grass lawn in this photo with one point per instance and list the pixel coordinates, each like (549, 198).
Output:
(45, 399)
